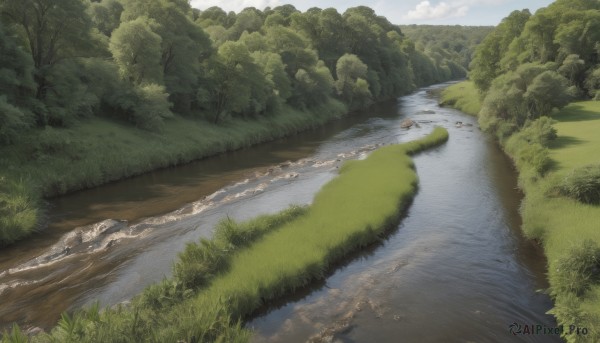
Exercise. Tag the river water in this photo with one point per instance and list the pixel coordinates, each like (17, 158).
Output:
(456, 269)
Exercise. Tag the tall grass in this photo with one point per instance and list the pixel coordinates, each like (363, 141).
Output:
(18, 210)
(463, 96)
(266, 258)
(566, 224)
(57, 161)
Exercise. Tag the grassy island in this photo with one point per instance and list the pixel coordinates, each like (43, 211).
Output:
(219, 282)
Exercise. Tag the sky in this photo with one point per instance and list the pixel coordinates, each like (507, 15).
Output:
(434, 12)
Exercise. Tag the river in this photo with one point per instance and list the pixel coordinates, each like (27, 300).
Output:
(456, 269)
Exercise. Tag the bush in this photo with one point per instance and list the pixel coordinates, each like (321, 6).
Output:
(504, 130)
(18, 210)
(541, 130)
(577, 270)
(583, 184)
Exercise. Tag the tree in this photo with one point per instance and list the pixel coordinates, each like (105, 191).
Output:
(572, 68)
(592, 83)
(234, 79)
(136, 50)
(351, 84)
(151, 107)
(52, 30)
(13, 121)
(106, 15)
(486, 63)
(16, 71)
(183, 46)
(547, 91)
(249, 20)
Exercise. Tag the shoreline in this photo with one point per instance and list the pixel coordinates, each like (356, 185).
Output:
(220, 281)
(562, 226)
(69, 160)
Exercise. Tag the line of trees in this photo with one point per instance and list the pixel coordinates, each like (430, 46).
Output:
(531, 64)
(143, 61)
(453, 45)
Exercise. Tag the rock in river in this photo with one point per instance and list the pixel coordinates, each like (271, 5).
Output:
(407, 123)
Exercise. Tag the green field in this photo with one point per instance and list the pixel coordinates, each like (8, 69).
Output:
(221, 281)
(462, 96)
(564, 224)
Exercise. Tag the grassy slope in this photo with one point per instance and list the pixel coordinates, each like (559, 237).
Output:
(462, 96)
(349, 212)
(97, 151)
(561, 223)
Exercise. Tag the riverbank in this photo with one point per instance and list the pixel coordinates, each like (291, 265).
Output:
(567, 228)
(463, 96)
(98, 151)
(218, 283)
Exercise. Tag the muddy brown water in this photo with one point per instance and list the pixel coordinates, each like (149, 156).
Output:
(456, 269)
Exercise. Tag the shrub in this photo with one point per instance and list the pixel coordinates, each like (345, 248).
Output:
(583, 184)
(541, 130)
(18, 210)
(577, 270)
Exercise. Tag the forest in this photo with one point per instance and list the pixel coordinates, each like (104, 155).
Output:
(135, 66)
(531, 64)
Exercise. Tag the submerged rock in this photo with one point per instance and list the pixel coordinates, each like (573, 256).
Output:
(407, 123)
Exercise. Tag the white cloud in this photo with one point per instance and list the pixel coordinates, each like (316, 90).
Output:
(234, 5)
(458, 8)
(426, 10)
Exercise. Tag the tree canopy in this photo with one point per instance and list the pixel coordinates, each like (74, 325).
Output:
(143, 61)
(530, 64)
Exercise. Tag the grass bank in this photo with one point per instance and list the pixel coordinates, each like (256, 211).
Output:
(218, 283)
(462, 96)
(53, 162)
(568, 228)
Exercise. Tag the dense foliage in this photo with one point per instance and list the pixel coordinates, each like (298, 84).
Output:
(66, 65)
(452, 45)
(530, 64)
(142, 61)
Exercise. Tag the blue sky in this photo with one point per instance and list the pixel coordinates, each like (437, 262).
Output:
(440, 12)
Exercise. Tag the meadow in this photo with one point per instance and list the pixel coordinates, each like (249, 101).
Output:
(218, 283)
(462, 96)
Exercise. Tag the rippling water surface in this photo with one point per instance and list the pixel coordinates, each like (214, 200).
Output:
(456, 269)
